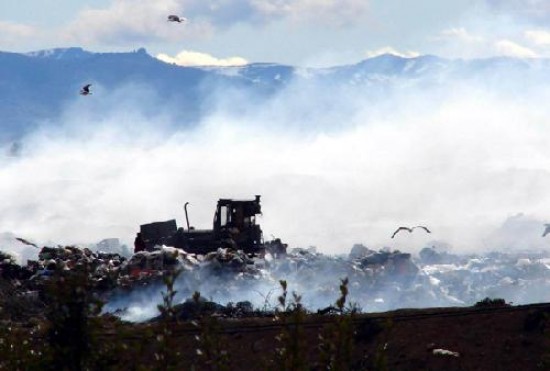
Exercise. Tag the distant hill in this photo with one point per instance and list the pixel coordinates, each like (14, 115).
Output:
(36, 87)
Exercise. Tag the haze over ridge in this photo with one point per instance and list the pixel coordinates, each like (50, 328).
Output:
(340, 155)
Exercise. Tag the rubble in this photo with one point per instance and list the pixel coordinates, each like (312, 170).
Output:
(359, 251)
(378, 280)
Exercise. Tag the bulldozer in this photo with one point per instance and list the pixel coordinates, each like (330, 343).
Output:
(234, 227)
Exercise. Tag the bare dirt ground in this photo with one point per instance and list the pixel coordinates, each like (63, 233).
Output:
(492, 338)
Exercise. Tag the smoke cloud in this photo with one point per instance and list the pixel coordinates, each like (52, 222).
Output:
(336, 164)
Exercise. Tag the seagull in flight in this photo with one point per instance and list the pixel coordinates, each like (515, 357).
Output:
(85, 90)
(424, 228)
(409, 230)
(176, 18)
(546, 230)
(22, 240)
(401, 229)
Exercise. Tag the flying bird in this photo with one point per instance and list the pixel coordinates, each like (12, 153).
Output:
(546, 230)
(176, 18)
(86, 89)
(409, 230)
(401, 229)
(424, 228)
(25, 241)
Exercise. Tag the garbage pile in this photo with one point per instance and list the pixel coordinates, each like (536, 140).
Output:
(9, 270)
(103, 268)
(516, 277)
(378, 280)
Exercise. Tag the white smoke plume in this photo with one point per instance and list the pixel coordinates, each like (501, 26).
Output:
(334, 165)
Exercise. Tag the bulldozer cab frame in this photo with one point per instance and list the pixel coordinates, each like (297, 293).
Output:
(236, 214)
(235, 223)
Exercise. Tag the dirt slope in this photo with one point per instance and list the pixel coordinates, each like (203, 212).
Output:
(499, 338)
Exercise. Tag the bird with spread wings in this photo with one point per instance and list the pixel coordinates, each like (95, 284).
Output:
(86, 89)
(409, 230)
(22, 240)
(176, 18)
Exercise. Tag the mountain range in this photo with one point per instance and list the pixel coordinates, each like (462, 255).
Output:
(36, 87)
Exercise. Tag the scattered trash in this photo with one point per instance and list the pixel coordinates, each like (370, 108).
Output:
(378, 280)
(445, 352)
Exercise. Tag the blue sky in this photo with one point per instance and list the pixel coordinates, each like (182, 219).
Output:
(298, 32)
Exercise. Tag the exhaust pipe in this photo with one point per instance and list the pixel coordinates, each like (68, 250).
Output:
(186, 216)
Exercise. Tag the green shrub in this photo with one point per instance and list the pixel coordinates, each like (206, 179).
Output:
(290, 352)
(337, 340)
(211, 351)
(71, 313)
